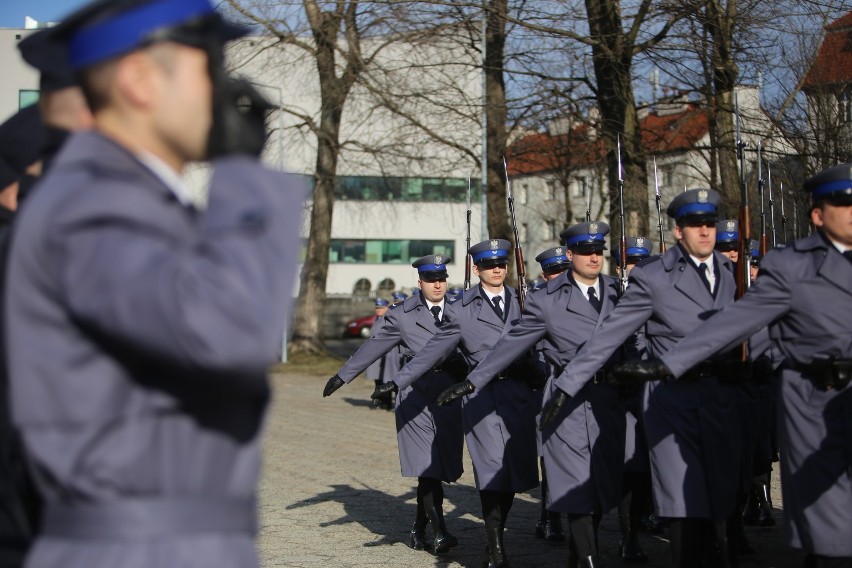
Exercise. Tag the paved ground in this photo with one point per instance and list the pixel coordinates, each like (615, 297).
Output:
(331, 495)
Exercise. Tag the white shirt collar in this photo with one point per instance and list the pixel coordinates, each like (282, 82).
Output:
(168, 176)
(584, 288)
(491, 295)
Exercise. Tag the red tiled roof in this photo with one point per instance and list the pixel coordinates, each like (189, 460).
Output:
(833, 62)
(538, 153)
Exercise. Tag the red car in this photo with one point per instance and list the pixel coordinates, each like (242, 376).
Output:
(360, 327)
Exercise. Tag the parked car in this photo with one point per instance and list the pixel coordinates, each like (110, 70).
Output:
(360, 327)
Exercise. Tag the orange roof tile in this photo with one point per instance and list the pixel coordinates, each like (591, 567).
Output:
(833, 62)
(539, 153)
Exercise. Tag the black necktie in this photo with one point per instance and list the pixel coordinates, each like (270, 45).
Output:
(848, 255)
(496, 301)
(593, 299)
(436, 311)
(702, 270)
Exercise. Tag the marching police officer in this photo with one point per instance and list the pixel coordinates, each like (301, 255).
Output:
(429, 436)
(553, 262)
(499, 417)
(584, 454)
(804, 295)
(387, 366)
(636, 483)
(692, 438)
(728, 239)
(143, 329)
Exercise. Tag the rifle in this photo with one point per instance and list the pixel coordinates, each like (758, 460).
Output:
(761, 191)
(659, 209)
(744, 248)
(467, 257)
(783, 216)
(623, 246)
(519, 253)
(771, 206)
(589, 204)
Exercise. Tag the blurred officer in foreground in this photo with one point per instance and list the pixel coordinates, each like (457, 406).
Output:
(143, 329)
(20, 142)
(584, 454)
(499, 418)
(728, 239)
(804, 295)
(553, 262)
(429, 436)
(689, 425)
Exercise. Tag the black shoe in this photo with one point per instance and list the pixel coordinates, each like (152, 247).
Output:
(553, 528)
(654, 525)
(540, 527)
(631, 552)
(443, 542)
(417, 539)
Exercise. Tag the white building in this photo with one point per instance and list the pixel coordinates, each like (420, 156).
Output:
(401, 194)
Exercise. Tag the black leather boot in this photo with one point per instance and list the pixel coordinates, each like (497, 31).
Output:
(496, 553)
(631, 552)
(765, 518)
(417, 538)
(573, 559)
(751, 512)
(553, 527)
(591, 562)
(443, 540)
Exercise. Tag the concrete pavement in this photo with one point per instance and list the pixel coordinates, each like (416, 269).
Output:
(332, 496)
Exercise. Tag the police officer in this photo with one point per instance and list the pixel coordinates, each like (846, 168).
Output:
(429, 436)
(636, 482)
(728, 239)
(692, 438)
(61, 105)
(499, 417)
(387, 366)
(143, 329)
(803, 294)
(553, 262)
(584, 455)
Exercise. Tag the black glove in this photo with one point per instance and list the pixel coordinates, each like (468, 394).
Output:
(638, 371)
(552, 408)
(239, 119)
(332, 385)
(384, 390)
(455, 391)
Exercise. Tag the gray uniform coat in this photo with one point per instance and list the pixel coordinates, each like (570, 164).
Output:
(584, 452)
(804, 295)
(690, 426)
(429, 436)
(387, 365)
(143, 331)
(499, 418)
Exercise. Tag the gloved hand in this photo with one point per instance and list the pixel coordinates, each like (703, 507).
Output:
(638, 371)
(332, 385)
(552, 408)
(239, 119)
(384, 390)
(456, 391)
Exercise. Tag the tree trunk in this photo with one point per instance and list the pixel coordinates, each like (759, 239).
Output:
(613, 56)
(496, 116)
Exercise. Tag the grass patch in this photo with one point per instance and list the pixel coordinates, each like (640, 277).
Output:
(313, 364)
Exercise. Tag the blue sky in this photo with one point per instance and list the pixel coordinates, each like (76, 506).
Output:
(12, 12)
